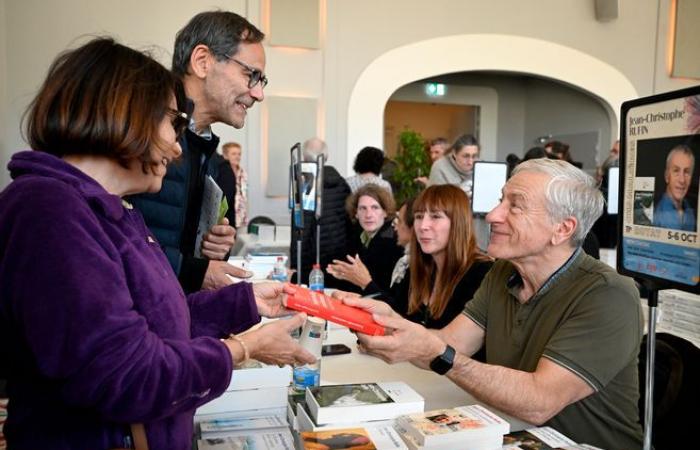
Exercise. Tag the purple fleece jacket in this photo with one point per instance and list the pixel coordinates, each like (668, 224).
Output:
(95, 327)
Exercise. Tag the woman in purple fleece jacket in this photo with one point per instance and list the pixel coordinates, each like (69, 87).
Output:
(95, 332)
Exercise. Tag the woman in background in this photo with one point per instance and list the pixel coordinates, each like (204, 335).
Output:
(233, 153)
(457, 166)
(373, 241)
(367, 167)
(103, 348)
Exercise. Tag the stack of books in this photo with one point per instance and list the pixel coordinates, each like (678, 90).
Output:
(253, 407)
(349, 404)
(679, 314)
(353, 414)
(473, 427)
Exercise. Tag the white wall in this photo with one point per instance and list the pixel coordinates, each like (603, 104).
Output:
(354, 35)
(626, 45)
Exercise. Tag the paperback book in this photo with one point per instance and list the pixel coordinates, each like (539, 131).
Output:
(229, 427)
(229, 401)
(279, 440)
(333, 310)
(350, 403)
(445, 426)
(359, 438)
(489, 443)
(541, 438)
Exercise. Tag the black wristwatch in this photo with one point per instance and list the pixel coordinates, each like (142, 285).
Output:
(443, 363)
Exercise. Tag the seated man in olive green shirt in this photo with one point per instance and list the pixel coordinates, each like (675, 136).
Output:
(562, 330)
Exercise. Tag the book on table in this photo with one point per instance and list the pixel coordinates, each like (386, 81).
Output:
(240, 426)
(271, 397)
(489, 443)
(541, 438)
(333, 310)
(278, 440)
(350, 403)
(304, 421)
(454, 425)
(357, 438)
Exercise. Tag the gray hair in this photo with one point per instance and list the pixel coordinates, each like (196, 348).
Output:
(314, 147)
(684, 149)
(569, 193)
(221, 31)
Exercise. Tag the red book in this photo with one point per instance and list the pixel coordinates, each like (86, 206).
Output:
(329, 308)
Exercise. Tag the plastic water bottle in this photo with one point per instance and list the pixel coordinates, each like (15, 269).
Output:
(311, 339)
(279, 272)
(316, 279)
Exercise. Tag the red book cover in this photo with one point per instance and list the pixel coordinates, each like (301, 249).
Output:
(325, 307)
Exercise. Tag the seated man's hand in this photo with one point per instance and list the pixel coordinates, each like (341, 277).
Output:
(341, 295)
(219, 274)
(270, 298)
(375, 307)
(218, 241)
(408, 341)
(354, 271)
(273, 344)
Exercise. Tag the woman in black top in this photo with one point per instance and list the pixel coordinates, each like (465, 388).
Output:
(445, 265)
(373, 242)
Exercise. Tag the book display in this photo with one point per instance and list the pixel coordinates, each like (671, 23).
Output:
(370, 401)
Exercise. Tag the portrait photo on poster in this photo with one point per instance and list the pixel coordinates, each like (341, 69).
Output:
(659, 189)
(670, 164)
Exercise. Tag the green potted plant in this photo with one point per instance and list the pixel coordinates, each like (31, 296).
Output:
(412, 162)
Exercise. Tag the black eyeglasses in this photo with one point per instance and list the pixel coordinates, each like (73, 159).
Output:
(180, 121)
(254, 75)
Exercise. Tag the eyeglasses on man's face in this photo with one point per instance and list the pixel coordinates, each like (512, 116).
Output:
(180, 121)
(255, 76)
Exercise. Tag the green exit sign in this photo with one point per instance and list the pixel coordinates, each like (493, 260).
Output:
(435, 89)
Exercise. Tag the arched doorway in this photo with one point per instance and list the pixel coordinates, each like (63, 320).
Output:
(477, 52)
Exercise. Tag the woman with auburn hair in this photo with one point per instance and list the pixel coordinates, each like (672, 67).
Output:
(446, 265)
(99, 344)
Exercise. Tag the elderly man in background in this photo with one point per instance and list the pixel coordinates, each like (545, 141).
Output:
(221, 61)
(562, 330)
(335, 224)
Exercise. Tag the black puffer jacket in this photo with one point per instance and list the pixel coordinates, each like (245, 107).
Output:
(335, 227)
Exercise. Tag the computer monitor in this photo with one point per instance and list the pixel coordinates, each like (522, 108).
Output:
(489, 179)
(659, 188)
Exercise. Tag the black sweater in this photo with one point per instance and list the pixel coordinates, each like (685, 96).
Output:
(397, 296)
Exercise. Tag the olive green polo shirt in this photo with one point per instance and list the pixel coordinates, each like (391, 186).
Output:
(587, 318)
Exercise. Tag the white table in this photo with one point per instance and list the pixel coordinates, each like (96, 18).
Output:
(438, 391)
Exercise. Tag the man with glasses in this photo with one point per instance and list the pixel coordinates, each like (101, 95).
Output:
(220, 59)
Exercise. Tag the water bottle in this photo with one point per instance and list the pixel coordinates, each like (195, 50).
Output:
(311, 339)
(316, 279)
(279, 272)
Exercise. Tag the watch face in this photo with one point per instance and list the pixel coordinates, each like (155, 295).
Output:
(443, 363)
